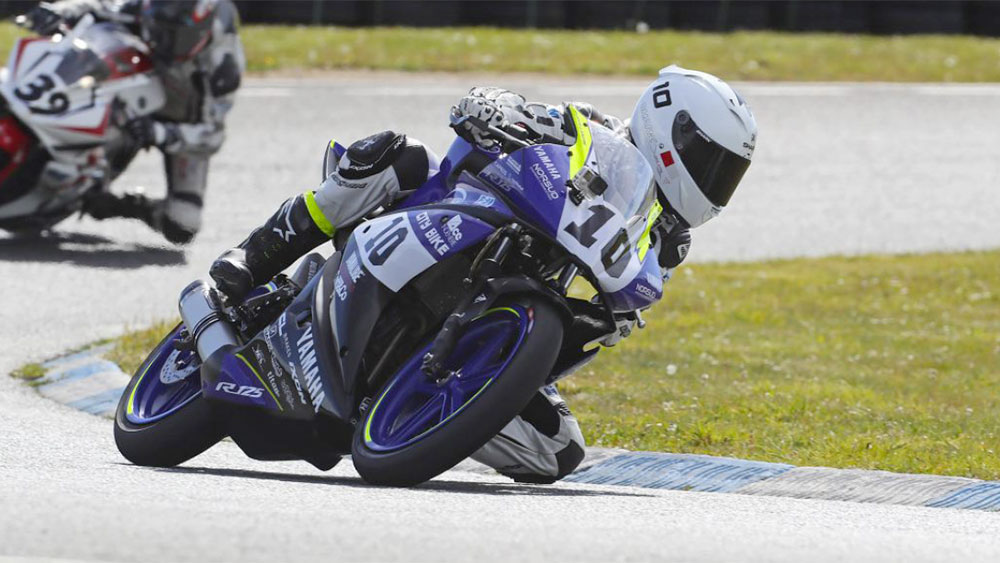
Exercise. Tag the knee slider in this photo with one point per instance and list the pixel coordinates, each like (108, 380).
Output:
(371, 155)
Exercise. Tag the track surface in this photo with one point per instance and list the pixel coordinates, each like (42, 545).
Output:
(839, 169)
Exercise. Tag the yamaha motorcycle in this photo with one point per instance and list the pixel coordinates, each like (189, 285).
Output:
(430, 329)
(63, 100)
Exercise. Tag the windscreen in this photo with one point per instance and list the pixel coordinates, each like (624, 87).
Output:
(631, 186)
(93, 50)
(81, 62)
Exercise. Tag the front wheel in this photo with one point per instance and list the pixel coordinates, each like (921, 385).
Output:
(417, 428)
(162, 418)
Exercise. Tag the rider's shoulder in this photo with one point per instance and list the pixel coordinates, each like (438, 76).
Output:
(226, 17)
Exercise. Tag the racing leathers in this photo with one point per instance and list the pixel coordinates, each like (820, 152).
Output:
(544, 442)
(188, 130)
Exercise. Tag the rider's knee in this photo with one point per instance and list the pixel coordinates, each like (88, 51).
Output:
(408, 160)
(375, 171)
(566, 461)
(541, 445)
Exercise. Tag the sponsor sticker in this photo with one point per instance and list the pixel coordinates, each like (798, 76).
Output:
(452, 232)
(309, 368)
(543, 179)
(354, 267)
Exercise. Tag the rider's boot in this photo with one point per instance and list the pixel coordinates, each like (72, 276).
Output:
(105, 205)
(283, 238)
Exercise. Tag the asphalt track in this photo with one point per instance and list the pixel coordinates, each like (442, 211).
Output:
(840, 169)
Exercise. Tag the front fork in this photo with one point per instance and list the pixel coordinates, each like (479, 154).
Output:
(484, 287)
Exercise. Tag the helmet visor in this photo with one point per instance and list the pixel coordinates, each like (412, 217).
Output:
(715, 169)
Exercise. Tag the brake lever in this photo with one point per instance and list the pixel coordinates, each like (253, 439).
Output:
(499, 134)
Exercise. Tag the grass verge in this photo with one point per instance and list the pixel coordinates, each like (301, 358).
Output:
(130, 350)
(29, 372)
(734, 56)
(871, 362)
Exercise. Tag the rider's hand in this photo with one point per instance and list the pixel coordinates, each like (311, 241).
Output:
(146, 132)
(623, 328)
(489, 105)
(480, 109)
(41, 19)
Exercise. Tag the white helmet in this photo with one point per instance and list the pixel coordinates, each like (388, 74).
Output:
(698, 134)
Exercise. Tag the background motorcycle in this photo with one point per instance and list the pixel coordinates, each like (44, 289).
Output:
(431, 329)
(63, 100)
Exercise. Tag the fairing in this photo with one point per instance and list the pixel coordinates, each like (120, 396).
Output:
(607, 231)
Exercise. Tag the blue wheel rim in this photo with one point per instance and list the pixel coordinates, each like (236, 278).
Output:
(412, 407)
(169, 380)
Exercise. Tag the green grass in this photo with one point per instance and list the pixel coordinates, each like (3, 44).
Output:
(872, 362)
(739, 55)
(29, 372)
(131, 349)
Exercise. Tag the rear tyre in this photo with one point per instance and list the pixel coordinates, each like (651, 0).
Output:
(162, 418)
(394, 446)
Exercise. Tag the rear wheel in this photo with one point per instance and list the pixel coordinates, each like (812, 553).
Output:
(162, 418)
(417, 428)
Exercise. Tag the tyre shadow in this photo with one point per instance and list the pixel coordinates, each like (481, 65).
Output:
(94, 251)
(440, 485)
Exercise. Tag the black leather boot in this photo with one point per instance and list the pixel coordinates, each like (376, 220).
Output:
(104, 205)
(272, 247)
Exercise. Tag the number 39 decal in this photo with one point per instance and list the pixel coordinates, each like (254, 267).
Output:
(58, 102)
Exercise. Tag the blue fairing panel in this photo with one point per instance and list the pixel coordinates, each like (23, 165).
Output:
(238, 382)
(534, 182)
(380, 258)
(643, 290)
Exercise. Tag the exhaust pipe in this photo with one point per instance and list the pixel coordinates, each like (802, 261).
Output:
(201, 317)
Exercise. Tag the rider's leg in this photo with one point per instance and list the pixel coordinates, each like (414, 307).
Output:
(541, 445)
(375, 171)
(178, 216)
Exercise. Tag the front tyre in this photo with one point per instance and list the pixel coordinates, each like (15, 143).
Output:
(417, 428)
(162, 418)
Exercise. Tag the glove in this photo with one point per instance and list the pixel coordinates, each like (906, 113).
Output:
(41, 19)
(623, 328)
(490, 105)
(672, 242)
(146, 132)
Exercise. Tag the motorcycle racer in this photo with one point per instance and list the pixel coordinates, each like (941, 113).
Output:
(695, 131)
(198, 56)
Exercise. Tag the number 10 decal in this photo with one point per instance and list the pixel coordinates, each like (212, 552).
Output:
(381, 246)
(584, 232)
(615, 254)
(661, 96)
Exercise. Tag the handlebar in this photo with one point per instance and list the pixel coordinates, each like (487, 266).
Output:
(456, 122)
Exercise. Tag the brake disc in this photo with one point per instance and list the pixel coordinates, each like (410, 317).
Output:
(174, 370)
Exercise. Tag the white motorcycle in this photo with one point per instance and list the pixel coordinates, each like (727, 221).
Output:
(63, 102)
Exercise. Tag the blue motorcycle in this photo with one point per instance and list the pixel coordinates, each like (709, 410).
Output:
(427, 332)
